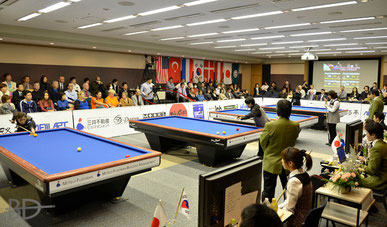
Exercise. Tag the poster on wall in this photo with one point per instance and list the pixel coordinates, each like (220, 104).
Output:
(199, 110)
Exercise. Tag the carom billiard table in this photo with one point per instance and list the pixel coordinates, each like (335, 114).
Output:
(165, 133)
(232, 116)
(51, 163)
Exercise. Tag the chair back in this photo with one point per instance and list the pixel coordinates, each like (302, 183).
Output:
(314, 215)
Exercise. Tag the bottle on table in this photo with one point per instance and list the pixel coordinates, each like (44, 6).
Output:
(274, 205)
(267, 202)
(233, 223)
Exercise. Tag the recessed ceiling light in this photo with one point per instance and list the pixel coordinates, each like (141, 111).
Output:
(94, 47)
(309, 34)
(166, 28)
(325, 40)
(89, 25)
(230, 40)
(158, 53)
(341, 44)
(361, 51)
(253, 44)
(271, 48)
(28, 17)
(347, 20)
(329, 52)
(136, 33)
(365, 30)
(200, 43)
(261, 52)
(221, 47)
(353, 48)
(240, 50)
(242, 30)
(120, 19)
(1, 39)
(257, 15)
(303, 46)
(75, 0)
(325, 6)
(268, 37)
(52, 43)
(288, 42)
(129, 50)
(207, 22)
(378, 43)
(194, 3)
(159, 10)
(56, 6)
(287, 26)
(201, 35)
(172, 38)
(372, 37)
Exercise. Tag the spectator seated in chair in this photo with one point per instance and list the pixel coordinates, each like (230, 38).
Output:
(111, 100)
(46, 104)
(27, 105)
(6, 107)
(124, 100)
(62, 103)
(81, 103)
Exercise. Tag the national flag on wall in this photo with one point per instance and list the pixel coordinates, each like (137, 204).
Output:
(198, 70)
(227, 73)
(209, 70)
(186, 69)
(235, 73)
(219, 72)
(162, 65)
(159, 217)
(184, 206)
(174, 69)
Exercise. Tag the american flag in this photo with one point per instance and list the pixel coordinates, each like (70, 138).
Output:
(162, 66)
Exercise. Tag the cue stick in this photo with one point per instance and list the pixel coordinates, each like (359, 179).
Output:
(279, 197)
(23, 128)
(177, 209)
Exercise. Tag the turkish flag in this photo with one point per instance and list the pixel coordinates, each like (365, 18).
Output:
(174, 69)
(209, 69)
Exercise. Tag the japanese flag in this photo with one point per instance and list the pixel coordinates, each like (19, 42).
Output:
(227, 73)
(160, 217)
(336, 143)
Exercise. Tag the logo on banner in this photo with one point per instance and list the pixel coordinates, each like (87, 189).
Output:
(198, 111)
(178, 110)
(5, 130)
(353, 112)
(152, 115)
(48, 125)
(93, 123)
(80, 126)
(122, 120)
(230, 107)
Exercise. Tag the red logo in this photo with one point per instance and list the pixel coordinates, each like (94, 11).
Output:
(228, 73)
(178, 110)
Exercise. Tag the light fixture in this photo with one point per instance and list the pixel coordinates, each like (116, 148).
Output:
(94, 47)
(287, 51)
(240, 50)
(257, 15)
(273, 55)
(159, 10)
(75, 0)
(52, 43)
(288, 42)
(296, 54)
(271, 48)
(309, 34)
(360, 51)
(206, 22)
(341, 44)
(89, 25)
(365, 30)
(372, 37)
(242, 30)
(172, 38)
(221, 47)
(194, 3)
(201, 35)
(378, 43)
(295, 47)
(329, 53)
(253, 44)
(287, 26)
(136, 33)
(347, 20)
(56, 6)
(230, 40)
(353, 48)
(268, 37)
(326, 40)
(325, 6)
(315, 50)
(380, 47)
(1, 39)
(120, 19)
(166, 28)
(201, 43)
(30, 16)
(261, 52)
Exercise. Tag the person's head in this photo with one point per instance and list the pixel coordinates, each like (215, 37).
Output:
(98, 94)
(354, 90)
(3, 88)
(385, 86)
(283, 90)
(219, 86)
(293, 158)
(124, 85)
(73, 80)
(378, 117)
(229, 90)
(299, 87)
(311, 86)
(36, 86)
(286, 82)
(210, 84)
(182, 85)
(86, 80)
(373, 130)
(366, 88)
(62, 96)
(124, 95)
(222, 91)
(257, 85)
(7, 77)
(208, 91)
(265, 83)
(26, 79)
(21, 117)
(81, 95)
(273, 84)
(374, 93)
(182, 80)
(20, 87)
(149, 80)
(332, 94)
(200, 91)
(250, 102)
(375, 85)
(85, 86)
(46, 96)
(284, 108)
(311, 92)
(97, 78)
(55, 84)
(322, 91)
(138, 92)
(28, 96)
(290, 92)
(43, 79)
(115, 81)
(259, 215)
(191, 90)
(70, 86)
(342, 88)
(61, 79)
(112, 93)
(5, 99)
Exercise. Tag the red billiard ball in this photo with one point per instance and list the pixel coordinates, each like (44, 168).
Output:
(127, 156)
(237, 129)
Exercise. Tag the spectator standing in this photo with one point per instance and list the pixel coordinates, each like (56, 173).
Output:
(97, 85)
(147, 91)
(296, 99)
(26, 83)
(287, 86)
(377, 104)
(76, 88)
(61, 86)
(256, 90)
(333, 115)
(115, 86)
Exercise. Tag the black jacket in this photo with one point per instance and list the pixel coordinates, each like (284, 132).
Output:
(296, 100)
(17, 98)
(255, 114)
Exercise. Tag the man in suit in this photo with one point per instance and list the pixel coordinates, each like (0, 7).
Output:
(18, 95)
(137, 98)
(276, 136)
(322, 96)
(377, 104)
(62, 85)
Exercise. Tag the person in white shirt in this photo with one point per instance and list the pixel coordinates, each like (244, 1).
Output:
(299, 187)
(71, 94)
(333, 115)
(302, 91)
(11, 86)
(147, 91)
(311, 89)
(77, 88)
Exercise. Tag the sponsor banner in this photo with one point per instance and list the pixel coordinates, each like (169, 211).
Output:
(259, 100)
(364, 111)
(270, 101)
(152, 111)
(5, 125)
(223, 105)
(313, 103)
(354, 111)
(120, 120)
(51, 120)
(178, 109)
(198, 110)
(97, 121)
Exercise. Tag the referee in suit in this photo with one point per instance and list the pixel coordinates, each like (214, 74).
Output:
(276, 136)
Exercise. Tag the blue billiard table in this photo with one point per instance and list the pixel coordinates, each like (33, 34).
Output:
(51, 163)
(165, 133)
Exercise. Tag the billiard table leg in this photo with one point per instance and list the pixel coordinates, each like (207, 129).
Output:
(13, 179)
(163, 144)
(210, 155)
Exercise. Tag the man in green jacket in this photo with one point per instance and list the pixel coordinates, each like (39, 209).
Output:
(376, 169)
(276, 136)
(377, 104)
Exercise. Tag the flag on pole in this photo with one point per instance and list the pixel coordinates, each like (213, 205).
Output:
(160, 217)
(186, 69)
(198, 70)
(227, 73)
(162, 66)
(235, 73)
(209, 68)
(184, 206)
(336, 143)
(175, 69)
(219, 72)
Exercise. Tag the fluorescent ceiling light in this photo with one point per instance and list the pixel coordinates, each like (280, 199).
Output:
(353, 48)
(314, 50)
(325, 40)
(347, 20)
(372, 37)
(172, 38)
(296, 54)
(253, 44)
(261, 52)
(329, 53)
(341, 44)
(54, 7)
(361, 51)
(221, 47)
(206, 22)
(314, 33)
(245, 50)
(230, 40)
(288, 42)
(304, 46)
(276, 55)
(30, 16)
(159, 10)
(243, 30)
(166, 28)
(380, 47)
(383, 51)
(201, 35)
(365, 30)
(119, 19)
(378, 43)
(288, 26)
(136, 33)
(194, 3)
(287, 51)
(75, 0)
(268, 37)
(257, 15)
(200, 43)
(89, 25)
(325, 6)
(271, 48)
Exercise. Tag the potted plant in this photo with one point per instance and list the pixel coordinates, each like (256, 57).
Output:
(344, 180)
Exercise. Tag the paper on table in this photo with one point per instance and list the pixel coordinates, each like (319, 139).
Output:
(232, 202)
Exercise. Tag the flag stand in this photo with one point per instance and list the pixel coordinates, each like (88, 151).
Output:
(164, 209)
(177, 209)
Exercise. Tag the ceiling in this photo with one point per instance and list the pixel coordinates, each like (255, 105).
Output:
(366, 36)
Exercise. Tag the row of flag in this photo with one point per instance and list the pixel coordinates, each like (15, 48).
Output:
(192, 69)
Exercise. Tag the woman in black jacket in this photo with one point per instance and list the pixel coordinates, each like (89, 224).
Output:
(296, 99)
(256, 90)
